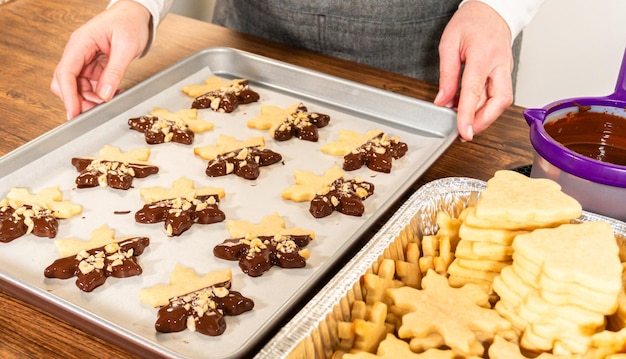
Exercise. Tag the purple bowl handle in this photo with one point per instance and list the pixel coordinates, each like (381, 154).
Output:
(535, 116)
(620, 87)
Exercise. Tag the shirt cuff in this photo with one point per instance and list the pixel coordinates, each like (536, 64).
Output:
(516, 13)
(158, 9)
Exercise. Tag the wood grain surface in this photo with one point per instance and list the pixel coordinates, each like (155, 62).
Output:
(32, 39)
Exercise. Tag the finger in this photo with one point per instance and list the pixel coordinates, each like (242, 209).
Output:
(66, 75)
(64, 86)
(449, 75)
(122, 54)
(88, 104)
(472, 89)
(499, 94)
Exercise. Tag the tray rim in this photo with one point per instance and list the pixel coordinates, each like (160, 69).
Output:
(55, 138)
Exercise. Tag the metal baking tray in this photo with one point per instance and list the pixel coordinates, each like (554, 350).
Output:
(114, 310)
(312, 333)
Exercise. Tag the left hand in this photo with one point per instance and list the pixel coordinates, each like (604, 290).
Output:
(478, 38)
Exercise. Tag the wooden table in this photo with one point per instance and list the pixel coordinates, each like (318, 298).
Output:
(31, 42)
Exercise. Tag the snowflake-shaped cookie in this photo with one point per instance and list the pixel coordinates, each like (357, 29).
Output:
(457, 314)
(373, 149)
(220, 95)
(242, 158)
(393, 348)
(22, 213)
(293, 121)
(329, 192)
(181, 206)
(94, 260)
(195, 303)
(162, 126)
(113, 168)
(258, 247)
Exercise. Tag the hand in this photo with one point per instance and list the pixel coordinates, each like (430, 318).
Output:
(479, 38)
(97, 55)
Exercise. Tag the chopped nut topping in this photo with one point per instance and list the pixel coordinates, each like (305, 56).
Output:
(361, 192)
(220, 292)
(85, 267)
(112, 247)
(304, 253)
(191, 323)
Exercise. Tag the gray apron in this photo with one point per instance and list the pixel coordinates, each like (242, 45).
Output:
(401, 36)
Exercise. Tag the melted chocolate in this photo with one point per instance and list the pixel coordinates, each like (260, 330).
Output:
(245, 162)
(377, 154)
(301, 124)
(226, 99)
(180, 214)
(596, 135)
(344, 196)
(118, 175)
(159, 130)
(202, 311)
(15, 223)
(258, 255)
(92, 267)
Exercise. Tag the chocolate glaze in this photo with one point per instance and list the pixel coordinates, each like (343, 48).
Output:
(179, 214)
(218, 100)
(13, 223)
(210, 320)
(119, 178)
(245, 162)
(344, 196)
(601, 136)
(226, 99)
(301, 124)
(377, 154)
(121, 263)
(254, 260)
(158, 130)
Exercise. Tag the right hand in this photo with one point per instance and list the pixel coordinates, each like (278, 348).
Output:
(97, 55)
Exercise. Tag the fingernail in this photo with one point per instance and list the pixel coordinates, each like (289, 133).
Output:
(470, 132)
(69, 117)
(439, 95)
(106, 92)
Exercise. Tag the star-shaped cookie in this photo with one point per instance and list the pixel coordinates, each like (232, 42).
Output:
(197, 303)
(113, 168)
(457, 314)
(181, 206)
(221, 95)
(22, 213)
(329, 192)
(242, 158)
(374, 149)
(293, 121)
(93, 261)
(258, 247)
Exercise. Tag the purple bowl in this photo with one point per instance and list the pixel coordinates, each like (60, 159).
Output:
(599, 186)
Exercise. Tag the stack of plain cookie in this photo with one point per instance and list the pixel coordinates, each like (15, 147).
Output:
(511, 204)
(561, 285)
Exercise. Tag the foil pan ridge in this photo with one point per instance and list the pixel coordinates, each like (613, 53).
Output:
(321, 305)
(307, 334)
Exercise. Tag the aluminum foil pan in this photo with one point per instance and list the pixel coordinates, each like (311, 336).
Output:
(312, 333)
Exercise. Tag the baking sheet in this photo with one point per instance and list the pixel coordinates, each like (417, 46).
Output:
(312, 333)
(114, 310)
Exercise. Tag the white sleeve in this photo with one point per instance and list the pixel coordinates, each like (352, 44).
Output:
(158, 9)
(516, 13)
